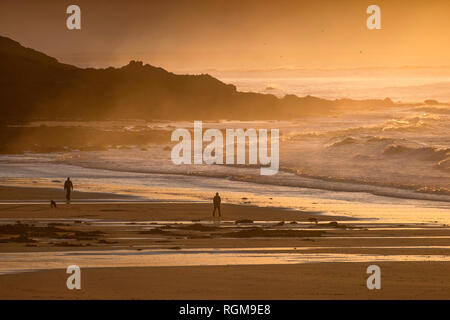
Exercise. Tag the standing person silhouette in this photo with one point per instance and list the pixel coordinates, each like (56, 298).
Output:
(68, 187)
(216, 201)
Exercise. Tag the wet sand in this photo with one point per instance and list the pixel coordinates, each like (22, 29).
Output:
(400, 280)
(11, 193)
(189, 226)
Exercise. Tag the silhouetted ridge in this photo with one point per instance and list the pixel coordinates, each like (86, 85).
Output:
(12, 51)
(36, 86)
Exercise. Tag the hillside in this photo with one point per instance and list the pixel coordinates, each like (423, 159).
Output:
(36, 86)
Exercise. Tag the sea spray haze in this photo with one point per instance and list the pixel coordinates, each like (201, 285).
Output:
(214, 152)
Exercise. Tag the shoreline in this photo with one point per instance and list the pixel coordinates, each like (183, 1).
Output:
(332, 184)
(38, 193)
(44, 194)
(288, 178)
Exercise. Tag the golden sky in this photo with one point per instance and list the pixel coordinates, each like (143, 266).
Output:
(245, 34)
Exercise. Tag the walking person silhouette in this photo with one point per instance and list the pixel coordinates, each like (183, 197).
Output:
(68, 187)
(216, 202)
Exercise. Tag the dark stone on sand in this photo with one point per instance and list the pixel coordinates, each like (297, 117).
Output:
(66, 244)
(21, 239)
(106, 241)
(87, 235)
(340, 226)
(21, 228)
(168, 226)
(333, 224)
(243, 221)
(198, 236)
(154, 231)
(198, 227)
(314, 220)
(93, 233)
(259, 232)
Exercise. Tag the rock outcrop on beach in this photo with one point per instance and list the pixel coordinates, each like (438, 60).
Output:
(36, 86)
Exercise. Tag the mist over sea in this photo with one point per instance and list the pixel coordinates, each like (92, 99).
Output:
(407, 84)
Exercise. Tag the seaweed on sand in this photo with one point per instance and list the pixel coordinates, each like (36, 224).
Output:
(259, 232)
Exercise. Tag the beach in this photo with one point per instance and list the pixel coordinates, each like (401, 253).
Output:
(130, 249)
(420, 280)
(126, 130)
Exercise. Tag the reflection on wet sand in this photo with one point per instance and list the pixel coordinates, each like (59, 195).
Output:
(102, 243)
(31, 261)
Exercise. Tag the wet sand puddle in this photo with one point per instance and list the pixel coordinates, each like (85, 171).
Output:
(34, 261)
(154, 254)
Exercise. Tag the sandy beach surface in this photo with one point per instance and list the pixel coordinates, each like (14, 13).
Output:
(157, 250)
(420, 280)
